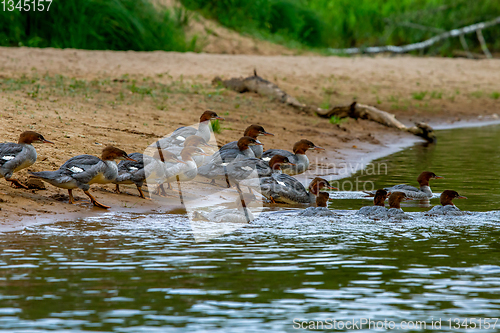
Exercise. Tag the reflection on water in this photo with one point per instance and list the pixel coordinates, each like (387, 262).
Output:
(468, 158)
(139, 273)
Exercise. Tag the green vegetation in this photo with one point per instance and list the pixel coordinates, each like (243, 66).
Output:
(97, 25)
(215, 125)
(419, 95)
(349, 23)
(495, 95)
(336, 120)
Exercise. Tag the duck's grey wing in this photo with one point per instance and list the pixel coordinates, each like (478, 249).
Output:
(132, 170)
(247, 168)
(283, 187)
(268, 154)
(401, 187)
(230, 145)
(83, 167)
(178, 137)
(11, 157)
(213, 170)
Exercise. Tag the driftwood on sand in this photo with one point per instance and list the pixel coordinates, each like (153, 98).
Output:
(263, 87)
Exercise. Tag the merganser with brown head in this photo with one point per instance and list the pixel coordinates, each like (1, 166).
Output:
(212, 168)
(321, 209)
(180, 135)
(298, 157)
(447, 206)
(424, 192)
(83, 170)
(286, 189)
(253, 131)
(378, 203)
(18, 156)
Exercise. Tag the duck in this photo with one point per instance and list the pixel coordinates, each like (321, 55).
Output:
(143, 167)
(191, 141)
(17, 156)
(231, 215)
(83, 170)
(447, 206)
(245, 170)
(180, 135)
(298, 157)
(424, 192)
(183, 171)
(321, 209)
(253, 131)
(283, 188)
(378, 203)
(394, 211)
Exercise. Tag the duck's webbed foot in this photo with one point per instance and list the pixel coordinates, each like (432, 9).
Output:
(95, 202)
(117, 189)
(17, 184)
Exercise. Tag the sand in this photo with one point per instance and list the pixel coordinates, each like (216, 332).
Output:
(84, 100)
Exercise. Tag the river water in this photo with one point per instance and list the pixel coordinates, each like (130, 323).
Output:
(147, 273)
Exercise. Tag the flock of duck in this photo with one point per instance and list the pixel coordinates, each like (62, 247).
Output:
(181, 157)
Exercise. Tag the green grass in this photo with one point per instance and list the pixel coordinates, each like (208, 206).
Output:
(336, 120)
(419, 95)
(97, 25)
(215, 125)
(495, 95)
(354, 23)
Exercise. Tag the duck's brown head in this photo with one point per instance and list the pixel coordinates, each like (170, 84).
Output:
(380, 197)
(195, 141)
(246, 141)
(322, 199)
(317, 184)
(254, 131)
(30, 137)
(447, 197)
(209, 115)
(395, 199)
(188, 153)
(303, 145)
(424, 177)
(278, 160)
(111, 153)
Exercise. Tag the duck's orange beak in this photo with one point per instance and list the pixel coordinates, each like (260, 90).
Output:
(130, 159)
(438, 177)
(332, 188)
(47, 141)
(219, 118)
(461, 197)
(318, 148)
(267, 133)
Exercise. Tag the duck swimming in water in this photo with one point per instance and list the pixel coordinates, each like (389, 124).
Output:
(447, 206)
(282, 188)
(298, 157)
(424, 192)
(378, 204)
(83, 170)
(18, 156)
(321, 209)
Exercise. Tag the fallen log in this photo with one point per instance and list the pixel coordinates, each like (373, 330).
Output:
(263, 87)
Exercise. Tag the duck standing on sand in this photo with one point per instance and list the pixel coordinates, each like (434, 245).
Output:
(180, 135)
(424, 192)
(253, 131)
(321, 209)
(82, 170)
(298, 157)
(378, 204)
(18, 156)
(447, 206)
(143, 166)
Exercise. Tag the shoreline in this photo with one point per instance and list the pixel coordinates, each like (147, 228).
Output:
(148, 207)
(84, 100)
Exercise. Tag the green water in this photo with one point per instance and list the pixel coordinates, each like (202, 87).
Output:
(468, 159)
(146, 273)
